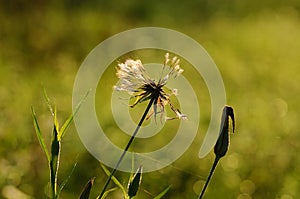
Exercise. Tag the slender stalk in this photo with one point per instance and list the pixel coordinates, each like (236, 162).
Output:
(209, 176)
(127, 146)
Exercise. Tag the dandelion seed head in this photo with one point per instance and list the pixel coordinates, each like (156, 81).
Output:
(135, 81)
(132, 76)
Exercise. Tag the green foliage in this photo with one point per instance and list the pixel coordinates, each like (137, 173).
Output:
(70, 118)
(54, 157)
(115, 180)
(164, 192)
(255, 45)
(39, 134)
(63, 184)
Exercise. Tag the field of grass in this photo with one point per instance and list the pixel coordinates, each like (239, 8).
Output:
(255, 45)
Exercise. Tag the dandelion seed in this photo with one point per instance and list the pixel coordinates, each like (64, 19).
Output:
(135, 81)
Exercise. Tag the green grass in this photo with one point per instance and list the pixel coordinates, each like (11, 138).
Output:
(255, 46)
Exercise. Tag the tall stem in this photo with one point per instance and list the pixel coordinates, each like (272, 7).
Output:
(127, 146)
(209, 176)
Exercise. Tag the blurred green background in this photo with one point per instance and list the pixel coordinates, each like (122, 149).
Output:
(255, 44)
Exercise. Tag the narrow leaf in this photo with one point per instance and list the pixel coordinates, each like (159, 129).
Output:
(159, 196)
(108, 192)
(48, 102)
(85, 194)
(39, 134)
(114, 179)
(70, 118)
(63, 184)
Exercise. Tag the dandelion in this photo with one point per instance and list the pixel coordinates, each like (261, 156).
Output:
(135, 81)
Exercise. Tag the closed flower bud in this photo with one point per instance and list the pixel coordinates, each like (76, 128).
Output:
(135, 182)
(222, 144)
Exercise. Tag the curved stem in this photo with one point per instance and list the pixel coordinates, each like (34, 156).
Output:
(209, 176)
(127, 146)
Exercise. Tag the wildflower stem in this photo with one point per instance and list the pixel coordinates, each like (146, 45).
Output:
(127, 146)
(209, 176)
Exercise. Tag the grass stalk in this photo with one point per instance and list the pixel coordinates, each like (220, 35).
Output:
(127, 147)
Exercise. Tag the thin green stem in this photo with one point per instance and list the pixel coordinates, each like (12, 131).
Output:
(127, 146)
(209, 176)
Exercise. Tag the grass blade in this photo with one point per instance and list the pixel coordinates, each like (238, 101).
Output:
(85, 194)
(39, 134)
(108, 191)
(48, 102)
(66, 180)
(159, 196)
(114, 179)
(70, 118)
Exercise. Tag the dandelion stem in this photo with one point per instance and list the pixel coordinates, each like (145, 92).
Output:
(127, 146)
(209, 176)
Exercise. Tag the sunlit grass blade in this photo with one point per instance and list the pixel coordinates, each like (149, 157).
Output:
(63, 184)
(70, 118)
(114, 179)
(39, 134)
(54, 162)
(108, 192)
(65, 126)
(48, 102)
(164, 192)
(85, 194)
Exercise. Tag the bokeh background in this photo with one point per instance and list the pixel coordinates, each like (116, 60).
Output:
(255, 44)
